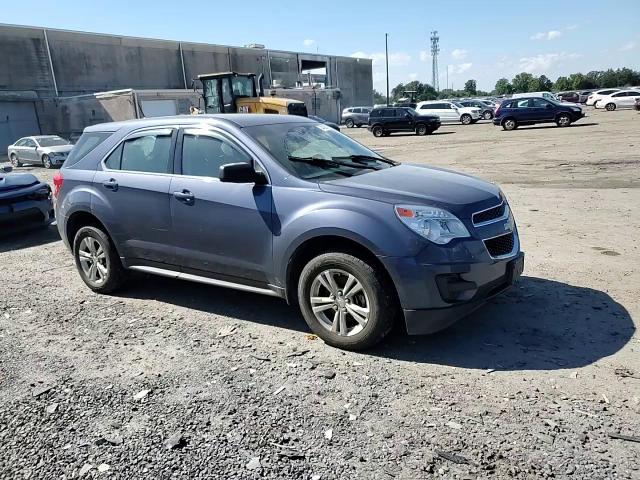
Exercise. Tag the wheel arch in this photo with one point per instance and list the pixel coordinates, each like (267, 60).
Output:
(317, 245)
(83, 218)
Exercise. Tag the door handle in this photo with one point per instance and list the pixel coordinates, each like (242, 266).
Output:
(184, 196)
(111, 184)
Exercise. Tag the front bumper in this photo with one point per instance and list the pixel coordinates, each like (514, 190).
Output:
(434, 296)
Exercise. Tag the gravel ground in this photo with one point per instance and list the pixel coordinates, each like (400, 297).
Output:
(169, 379)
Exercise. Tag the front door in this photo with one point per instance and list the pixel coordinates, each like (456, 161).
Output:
(540, 110)
(223, 230)
(29, 153)
(134, 189)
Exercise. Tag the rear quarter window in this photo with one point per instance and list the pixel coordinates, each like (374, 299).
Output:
(86, 143)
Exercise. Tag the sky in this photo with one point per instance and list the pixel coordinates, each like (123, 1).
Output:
(479, 39)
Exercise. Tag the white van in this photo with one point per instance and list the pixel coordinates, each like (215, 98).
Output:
(547, 95)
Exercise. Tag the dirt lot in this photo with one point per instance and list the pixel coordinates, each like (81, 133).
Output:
(231, 385)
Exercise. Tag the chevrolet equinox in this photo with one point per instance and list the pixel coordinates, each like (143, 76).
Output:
(284, 206)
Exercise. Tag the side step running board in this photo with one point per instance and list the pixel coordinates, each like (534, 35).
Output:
(208, 281)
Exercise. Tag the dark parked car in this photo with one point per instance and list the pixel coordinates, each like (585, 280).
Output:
(335, 126)
(528, 111)
(637, 104)
(486, 111)
(573, 97)
(23, 198)
(282, 206)
(386, 120)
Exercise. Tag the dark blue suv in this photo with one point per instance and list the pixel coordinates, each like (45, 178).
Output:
(512, 113)
(284, 206)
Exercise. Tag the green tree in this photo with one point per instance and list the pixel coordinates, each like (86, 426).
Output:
(470, 87)
(503, 87)
(562, 83)
(521, 82)
(378, 98)
(545, 84)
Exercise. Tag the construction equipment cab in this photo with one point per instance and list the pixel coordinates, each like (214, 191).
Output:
(232, 92)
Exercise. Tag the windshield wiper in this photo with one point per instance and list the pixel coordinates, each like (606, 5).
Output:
(361, 158)
(333, 162)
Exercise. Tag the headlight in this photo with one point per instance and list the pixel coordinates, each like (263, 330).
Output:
(434, 224)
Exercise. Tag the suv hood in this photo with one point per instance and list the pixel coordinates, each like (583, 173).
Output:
(57, 149)
(421, 185)
(14, 181)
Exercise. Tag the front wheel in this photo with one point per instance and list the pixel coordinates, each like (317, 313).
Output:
(377, 131)
(563, 120)
(422, 130)
(46, 162)
(345, 301)
(466, 119)
(610, 107)
(509, 124)
(487, 115)
(349, 123)
(97, 260)
(15, 162)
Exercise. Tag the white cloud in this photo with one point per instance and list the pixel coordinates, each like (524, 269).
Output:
(308, 42)
(571, 27)
(550, 35)
(459, 68)
(413, 76)
(425, 56)
(628, 46)
(459, 54)
(544, 62)
(397, 59)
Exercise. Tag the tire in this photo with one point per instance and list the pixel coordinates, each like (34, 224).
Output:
(377, 131)
(610, 107)
(96, 243)
(349, 122)
(487, 115)
(563, 120)
(46, 161)
(509, 124)
(421, 129)
(465, 119)
(368, 297)
(15, 161)
(359, 125)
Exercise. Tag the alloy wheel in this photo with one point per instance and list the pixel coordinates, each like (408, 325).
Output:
(93, 260)
(46, 161)
(339, 302)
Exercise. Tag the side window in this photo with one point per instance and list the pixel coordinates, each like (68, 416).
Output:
(203, 155)
(113, 160)
(150, 153)
(524, 103)
(357, 110)
(621, 94)
(29, 143)
(539, 103)
(19, 143)
(447, 106)
(375, 113)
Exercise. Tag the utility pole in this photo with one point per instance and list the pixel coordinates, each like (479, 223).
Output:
(386, 52)
(448, 77)
(435, 50)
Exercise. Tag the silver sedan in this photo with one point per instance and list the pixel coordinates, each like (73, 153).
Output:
(46, 150)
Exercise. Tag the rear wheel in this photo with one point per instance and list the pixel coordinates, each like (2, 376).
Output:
(97, 260)
(349, 122)
(377, 131)
(421, 129)
(487, 115)
(346, 301)
(563, 120)
(15, 161)
(509, 124)
(610, 107)
(46, 161)
(466, 119)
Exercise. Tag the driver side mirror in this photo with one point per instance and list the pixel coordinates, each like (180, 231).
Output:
(241, 173)
(7, 169)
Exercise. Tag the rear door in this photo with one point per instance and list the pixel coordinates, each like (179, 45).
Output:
(222, 230)
(29, 152)
(134, 185)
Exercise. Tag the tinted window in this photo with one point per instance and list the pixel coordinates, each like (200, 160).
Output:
(621, 94)
(113, 160)
(388, 112)
(426, 107)
(522, 103)
(29, 143)
(539, 103)
(20, 143)
(86, 143)
(150, 153)
(357, 110)
(52, 141)
(202, 156)
(375, 113)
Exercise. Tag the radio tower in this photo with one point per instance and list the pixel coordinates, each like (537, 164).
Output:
(435, 50)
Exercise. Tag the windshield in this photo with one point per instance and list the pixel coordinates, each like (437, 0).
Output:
(51, 141)
(242, 86)
(312, 151)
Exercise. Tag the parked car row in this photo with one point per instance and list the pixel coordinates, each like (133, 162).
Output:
(617, 99)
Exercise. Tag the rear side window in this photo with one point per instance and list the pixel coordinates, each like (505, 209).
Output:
(202, 155)
(375, 113)
(426, 107)
(86, 143)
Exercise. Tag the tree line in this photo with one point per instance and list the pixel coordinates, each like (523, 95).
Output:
(522, 82)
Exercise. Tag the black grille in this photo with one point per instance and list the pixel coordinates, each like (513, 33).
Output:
(488, 215)
(501, 245)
